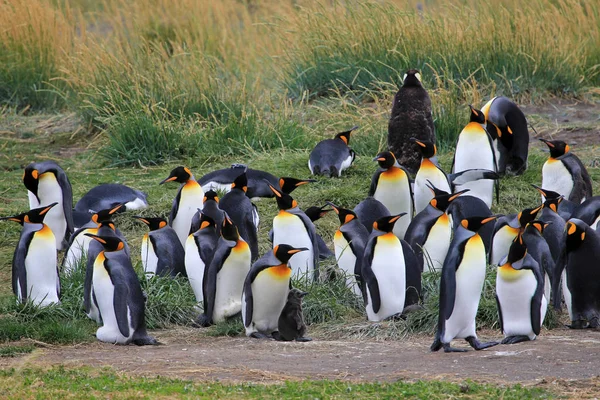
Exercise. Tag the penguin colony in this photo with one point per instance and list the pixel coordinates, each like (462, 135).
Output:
(410, 223)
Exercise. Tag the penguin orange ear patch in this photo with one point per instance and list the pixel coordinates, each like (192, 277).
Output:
(35, 174)
(348, 218)
(294, 204)
(572, 228)
(120, 246)
(567, 148)
(275, 249)
(433, 202)
(582, 236)
(186, 169)
(465, 223)
(375, 225)
(281, 182)
(204, 224)
(162, 224)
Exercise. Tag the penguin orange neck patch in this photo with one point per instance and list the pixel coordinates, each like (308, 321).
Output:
(45, 232)
(280, 272)
(393, 173)
(240, 246)
(508, 273)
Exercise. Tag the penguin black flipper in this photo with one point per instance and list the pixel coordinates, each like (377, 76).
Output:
(19, 273)
(582, 188)
(210, 283)
(312, 234)
(418, 231)
(413, 275)
(369, 278)
(500, 319)
(374, 182)
(170, 259)
(175, 206)
(559, 267)
(65, 186)
(266, 261)
(120, 296)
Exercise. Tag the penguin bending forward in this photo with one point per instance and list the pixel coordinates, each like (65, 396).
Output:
(162, 253)
(331, 156)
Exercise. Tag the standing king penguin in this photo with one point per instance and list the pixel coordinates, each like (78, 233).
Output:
(520, 295)
(391, 186)
(224, 283)
(565, 174)
(47, 183)
(34, 267)
(506, 230)
(410, 118)
(266, 291)
(370, 210)
(331, 156)
(199, 250)
(210, 208)
(463, 275)
(162, 253)
(186, 203)
(119, 295)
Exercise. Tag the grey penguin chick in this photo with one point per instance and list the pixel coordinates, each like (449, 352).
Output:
(291, 321)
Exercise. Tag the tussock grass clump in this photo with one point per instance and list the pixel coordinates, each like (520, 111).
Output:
(170, 301)
(14, 351)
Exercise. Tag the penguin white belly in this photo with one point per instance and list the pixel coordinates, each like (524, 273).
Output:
(149, 258)
(594, 224)
(78, 250)
(105, 292)
(137, 204)
(49, 191)
(289, 229)
(346, 260)
(345, 165)
(473, 151)
(437, 244)
(269, 291)
(40, 269)
(567, 294)
(422, 194)
(217, 187)
(189, 203)
(194, 267)
(230, 282)
(470, 276)
(501, 243)
(310, 167)
(390, 271)
(557, 178)
(515, 290)
(394, 192)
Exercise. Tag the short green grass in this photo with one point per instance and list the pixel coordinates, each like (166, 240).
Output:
(61, 383)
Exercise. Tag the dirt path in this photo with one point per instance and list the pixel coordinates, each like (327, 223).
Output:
(558, 354)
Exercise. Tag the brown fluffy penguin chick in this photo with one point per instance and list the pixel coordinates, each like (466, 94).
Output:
(291, 322)
(411, 117)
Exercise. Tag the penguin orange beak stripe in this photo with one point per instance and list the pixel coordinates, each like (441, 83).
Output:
(335, 208)
(455, 195)
(485, 221)
(114, 210)
(172, 178)
(379, 159)
(275, 191)
(294, 251)
(395, 218)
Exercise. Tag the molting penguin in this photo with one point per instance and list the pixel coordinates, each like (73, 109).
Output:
(225, 277)
(292, 226)
(199, 250)
(162, 253)
(109, 195)
(507, 125)
(390, 272)
(370, 210)
(331, 156)
(242, 212)
(266, 291)
(223, 178)
(410, 118)
(430, 232)
(463, 275)
(506, 230)
(119, 295)
(565, 174)
(581, 279)
(474, 150)
(349, 244)
(34, 266)
(47, 183)
(391, 186)
(291, 321)
(520, 295)
(186, 203)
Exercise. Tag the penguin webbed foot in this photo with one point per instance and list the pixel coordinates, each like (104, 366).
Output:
(146, 341)
(477, 345)
(396, 317)
(203, 321)
(303, 339)
(515, 339)
(258, 335)
(579, 324)
(450, 349)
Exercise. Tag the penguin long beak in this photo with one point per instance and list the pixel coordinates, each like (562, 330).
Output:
(547, 142)
(45, 210)
(98, 238)
(275, 191)
(455, 195)
(169, 179)
(297, 250)
(144, 220)
(379, 159)
(335, 208)
(15, 218)
(492, 218)
(302, 294)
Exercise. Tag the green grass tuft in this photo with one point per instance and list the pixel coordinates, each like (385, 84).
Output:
(170, 301)
(14, 351)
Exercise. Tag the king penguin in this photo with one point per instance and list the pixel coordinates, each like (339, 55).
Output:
(507, 125)
(390, 271)
(520, 295)
(430, 232)
(47, 183)
(349, 244)
(332, 156)
(565, 174)
(222, 179)
(506, 230)
(429, 171)
(199, 251)
(474, 150)
(391, 186)
(465, 207)
(292, 226)
(242, 212)
(463, 275)
(588, 212)
(162, 253)
(34, 267)
(225, 277)
(186, 203)
(554, 231)
(266, 290)
(210, 208)
(108, 195)
(533, 238)
(119, 295)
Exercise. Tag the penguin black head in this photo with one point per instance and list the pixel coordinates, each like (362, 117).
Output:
(241, 182)
(110, 243)
(475, 223)
(575, 233)
(315, 213)
(539, 225)
(345, 136)
(426, 147)
(153, 223)
(37, 215)
(105, 215)
(412, 78)
(516, 252)
(527, 215)
(210, 195)
(557, 147)
(442, 199)
(284, 200)
(476, 115)
(295, 296)
(288, 185)
(180, 174)
(344, 214)
(31, 179)
(206, 222)
(284, 252)
(386, 159)
(386, 224)
(229, 231)
(553, 199)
